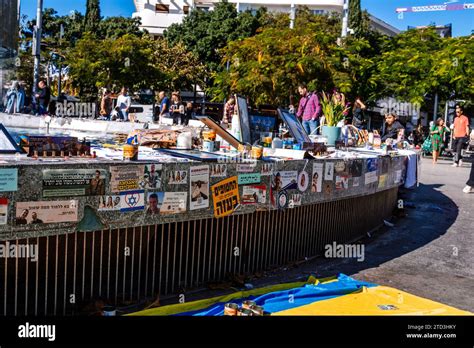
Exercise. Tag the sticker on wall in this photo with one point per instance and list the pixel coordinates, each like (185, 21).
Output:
(371, 177)
(3, 211)
(178, 177)
(317, 179)
(295, 200)
(132, 201)
(327, 189)
(282, 200)
(153, 203)
(8, 180)
(342, 182)
(109, 203)
(340, 167)
(152, 176)
(46, 212)
(267, 169)
(199, 188)
(329, 171)
(356, 181)
(127, 178)
(371, 164)
(303, 181)
(218, 170)
(285, 180)
(254, 194)
(385, 165)
(225, 195)
(382, 180)
(246, 167)
(356, 168)
(174, 203)
(252, 178)
(74, 182)
(398, 176)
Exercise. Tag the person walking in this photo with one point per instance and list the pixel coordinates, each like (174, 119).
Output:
(308, 109)
(460, 134)
(437, 131)
(470, 182)
(123, 103)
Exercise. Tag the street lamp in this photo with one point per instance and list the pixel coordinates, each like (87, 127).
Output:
(37, 45)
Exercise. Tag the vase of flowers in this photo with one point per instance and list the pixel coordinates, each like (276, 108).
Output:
(334, 109)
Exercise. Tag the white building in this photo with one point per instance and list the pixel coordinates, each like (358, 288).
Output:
(157, 15)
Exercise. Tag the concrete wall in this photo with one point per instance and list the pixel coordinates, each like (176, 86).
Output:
(30, 188)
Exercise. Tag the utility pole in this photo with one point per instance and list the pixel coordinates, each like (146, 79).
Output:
(345, 18)
(292, 15)
(61, 34)
(37, 44)
(435, 108)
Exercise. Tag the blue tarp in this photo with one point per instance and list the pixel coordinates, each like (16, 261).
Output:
(282, 300)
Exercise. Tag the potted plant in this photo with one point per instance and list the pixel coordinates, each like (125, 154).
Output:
(334, 109)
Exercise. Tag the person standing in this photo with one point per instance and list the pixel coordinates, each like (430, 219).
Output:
(308, 109)
(229, 110)
(164, 106)
(43, 98)
(358, 119)
(123, 103)
(175, 106)
(187, 115)
(460, 134)
(15, 98)
(437, 132)
(106, 105)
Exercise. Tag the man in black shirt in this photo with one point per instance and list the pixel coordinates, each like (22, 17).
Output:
(43, 98)
(392, 127)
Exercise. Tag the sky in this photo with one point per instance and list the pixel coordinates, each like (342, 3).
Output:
(462, 21)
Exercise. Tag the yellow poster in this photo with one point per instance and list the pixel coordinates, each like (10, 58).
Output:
(225, 195)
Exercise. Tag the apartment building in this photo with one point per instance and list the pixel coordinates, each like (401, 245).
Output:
(157, 15)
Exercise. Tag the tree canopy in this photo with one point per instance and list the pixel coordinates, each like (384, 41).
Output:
(205, 32)
(92, 17)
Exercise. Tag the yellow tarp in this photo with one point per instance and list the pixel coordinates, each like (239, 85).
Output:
(379, 300)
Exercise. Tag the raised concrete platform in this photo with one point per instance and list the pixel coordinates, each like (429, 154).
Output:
(82, 124)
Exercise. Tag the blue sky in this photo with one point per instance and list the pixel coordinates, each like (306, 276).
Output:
(462, 21)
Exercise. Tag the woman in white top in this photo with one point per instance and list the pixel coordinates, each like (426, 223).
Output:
(123, 103)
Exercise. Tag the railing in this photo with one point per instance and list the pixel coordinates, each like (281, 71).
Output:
(128, 265)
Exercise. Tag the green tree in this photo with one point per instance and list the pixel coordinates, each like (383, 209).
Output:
(269, 66)
(181, 69)
(92, 18)
(355, 17)
(204, 33)
(418, 62)
(115, 27)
